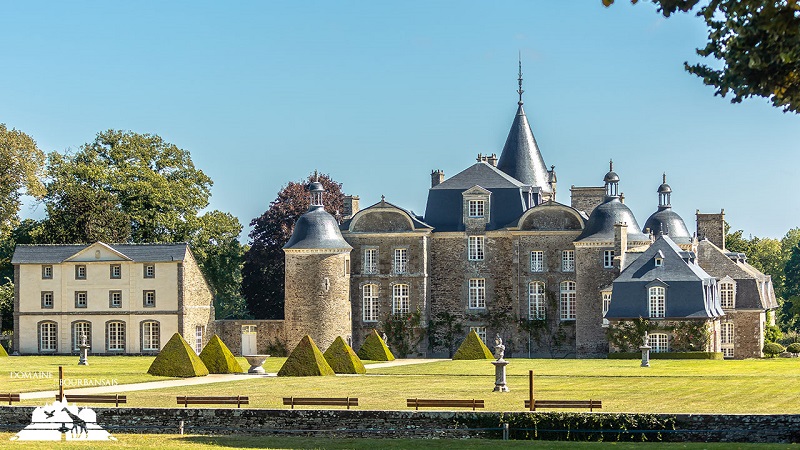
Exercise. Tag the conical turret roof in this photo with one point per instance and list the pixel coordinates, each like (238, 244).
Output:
(521, 157)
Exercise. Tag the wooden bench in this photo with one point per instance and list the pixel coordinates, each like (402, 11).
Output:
(116, 399)
(320, 401)
(418, 403)
(9, 397)
(187, 400)
(572, 404)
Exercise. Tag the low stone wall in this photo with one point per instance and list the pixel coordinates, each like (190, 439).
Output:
(429, 424)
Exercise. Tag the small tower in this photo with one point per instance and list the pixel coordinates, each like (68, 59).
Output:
(612, 181)
(664, 193)
(317, 278)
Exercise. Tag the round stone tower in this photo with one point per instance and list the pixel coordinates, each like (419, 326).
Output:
(317, 278)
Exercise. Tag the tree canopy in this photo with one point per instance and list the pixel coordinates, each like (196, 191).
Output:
(263, 270)
(20, 171)
(756, 43)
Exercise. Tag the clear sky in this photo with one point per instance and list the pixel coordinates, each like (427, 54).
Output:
(378, 94)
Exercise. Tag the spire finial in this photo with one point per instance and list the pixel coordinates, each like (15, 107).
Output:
(610, 165)
(664, 177)
(520, 91)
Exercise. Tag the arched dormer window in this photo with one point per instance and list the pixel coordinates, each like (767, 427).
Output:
(727, 293)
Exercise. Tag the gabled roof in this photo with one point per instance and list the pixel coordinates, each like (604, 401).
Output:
(686, 285)
(54, 254)
(753, 288)
(521, 157)
(482, 174)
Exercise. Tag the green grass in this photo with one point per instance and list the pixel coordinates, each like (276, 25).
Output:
(138, 441)
(669, 386)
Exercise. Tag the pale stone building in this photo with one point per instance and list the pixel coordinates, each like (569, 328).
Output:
(126, 298)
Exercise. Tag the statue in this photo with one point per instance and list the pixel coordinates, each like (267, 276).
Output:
(499, 365)
(499, 348)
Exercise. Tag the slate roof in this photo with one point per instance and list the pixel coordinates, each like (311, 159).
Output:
(415, 219)
(668, 221)
(600, 226)
(316, 229)
(509, 198)
(685, 283)
(54, 254)
(753, 288)
(521, 158)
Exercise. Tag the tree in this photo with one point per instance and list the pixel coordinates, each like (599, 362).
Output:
(20, 171)
(7, 304)
(757, 45)
(790, 312)
(263, 270)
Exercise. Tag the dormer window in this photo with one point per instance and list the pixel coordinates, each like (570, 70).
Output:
(659, 262)
(476, 208)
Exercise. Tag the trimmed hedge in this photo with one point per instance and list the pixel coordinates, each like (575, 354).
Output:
(793, 348)
(667, 355)
(306, 360)
(374, 349)
(177, 359)
(218, 358)
(473, 348)
(773, 349)
(3, 353)
(343, 359)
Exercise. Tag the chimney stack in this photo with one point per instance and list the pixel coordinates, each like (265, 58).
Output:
(437, 177)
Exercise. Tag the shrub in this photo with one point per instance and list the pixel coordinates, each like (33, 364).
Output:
(772, 349)
(306, 360)
(374, 349)
(473, 348)
(788, 338)
(177, 359)
(218, 358)
(342, 358)
(793, 348)
(667, 355)
(3, 353)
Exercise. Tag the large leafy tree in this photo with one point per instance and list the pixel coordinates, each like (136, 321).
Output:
(130, 187)
(21, 163)
(263, 270)
(756, 45)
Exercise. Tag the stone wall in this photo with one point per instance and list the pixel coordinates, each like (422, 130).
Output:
(196, 302)
(269, 335)
(748, 333)
(590, 336)
(711, 227)
(586, 199)
(773, 428)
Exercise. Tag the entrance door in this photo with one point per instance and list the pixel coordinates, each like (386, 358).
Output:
(249, 336)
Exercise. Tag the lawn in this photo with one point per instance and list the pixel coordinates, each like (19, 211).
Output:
(669, 386)
(127, 441)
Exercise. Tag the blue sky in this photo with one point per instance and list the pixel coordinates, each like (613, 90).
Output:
(378, 94)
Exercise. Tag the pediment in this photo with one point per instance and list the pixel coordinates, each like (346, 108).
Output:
(98, 251)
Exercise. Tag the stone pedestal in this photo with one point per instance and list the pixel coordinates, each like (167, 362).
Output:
(84, 347)
(645, 348)
(500, 375)
(255, 362)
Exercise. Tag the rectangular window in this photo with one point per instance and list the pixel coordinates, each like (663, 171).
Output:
(400, 260)
(346, 266)
(476, 208)
(115, 336)
(47, 272)
(48, 337)
(80, 299)
(726, 339)
(727, 295)
(151, 336)
(47, 299)
(198, 339)
(477, 293)
(369, 303)
(659, 343)
(480, 331)
(149, 299)
(149, 270)
(568, 261)
(475, 248)
(249, 329)
(608, 259)
(80, 272)
(606, 305)
(536, 304)
(115, 299)
(400, 303)
(116, 271)
(657, 301)
(370, 260)
(79, 330)
(567, 300)
(537, 261)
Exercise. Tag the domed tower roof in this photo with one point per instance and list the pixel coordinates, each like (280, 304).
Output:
(665, 220)
(600, 226)
(317, 229)
(521, 157)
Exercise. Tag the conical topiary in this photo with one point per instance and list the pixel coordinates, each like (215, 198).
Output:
(177, 359)
(342, 358)
(218, 358)
(306, 360)
(473, 348)
(374, 349)
(3, 353)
